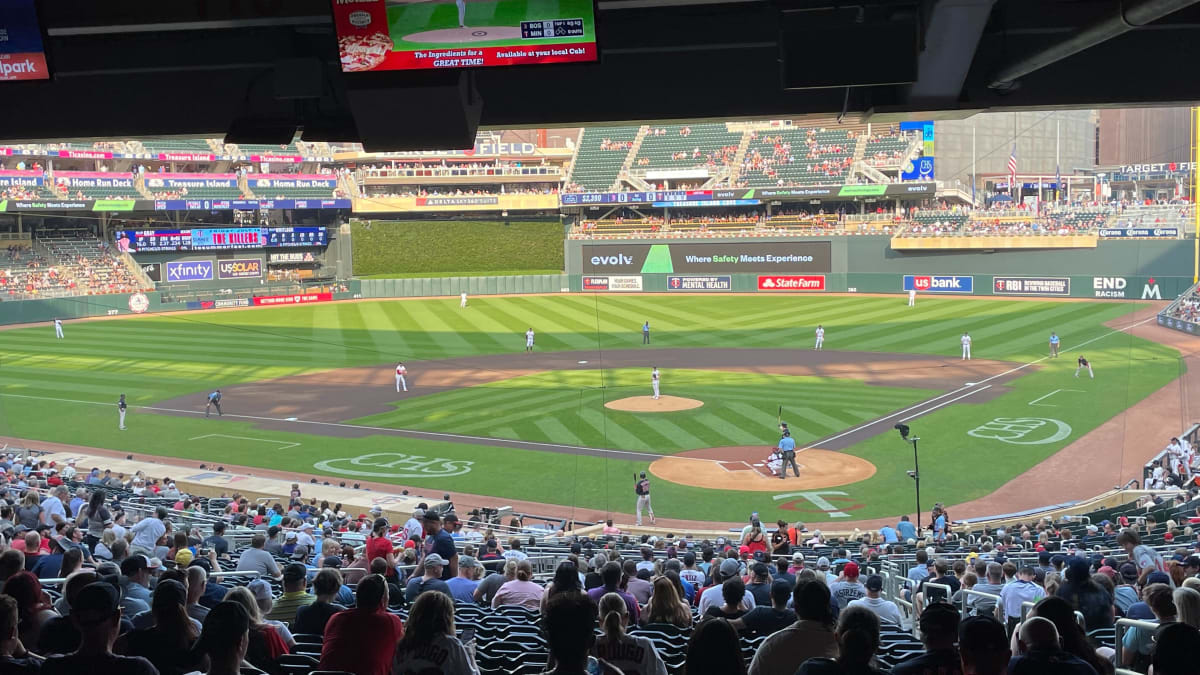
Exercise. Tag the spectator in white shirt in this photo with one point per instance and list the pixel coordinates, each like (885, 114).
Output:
(147, 532)
(54, 510)
(514, 551)
(886, 609)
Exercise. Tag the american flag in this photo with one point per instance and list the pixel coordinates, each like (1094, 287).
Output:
(1012, 171)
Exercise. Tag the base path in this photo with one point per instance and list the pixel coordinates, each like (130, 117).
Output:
(744, 468)
(322, 403)
(649, 404)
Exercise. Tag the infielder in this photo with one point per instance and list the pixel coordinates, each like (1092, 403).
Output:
(912, 297)
(820, 337)
(214, 400)
(58, 329)
(463, 302)
(787, 448)
(654, 381)
(121, 412)
(1082, 363)
(1053, 345)
(642, 489)
(529, 340)
(966, 345)
(401, 371)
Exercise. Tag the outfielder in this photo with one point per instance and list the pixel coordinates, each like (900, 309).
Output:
(529, 340)
(787, 448)
(1082, 363)
(58, 329)
(642, 489)
(121, 412)
(463, 302)
(966, 345)
(912, 297)
(401, 371)
(1053, 345)
(654, 381)
(820, 337)
(214, 401)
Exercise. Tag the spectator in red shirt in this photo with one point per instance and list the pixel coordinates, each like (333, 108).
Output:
(379, 545)
(344, 647)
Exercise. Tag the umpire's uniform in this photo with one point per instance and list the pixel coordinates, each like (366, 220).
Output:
(787, 446)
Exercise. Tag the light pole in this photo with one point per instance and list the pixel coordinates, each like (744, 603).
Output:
(915, 474)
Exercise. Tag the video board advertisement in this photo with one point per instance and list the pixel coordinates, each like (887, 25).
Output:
(22, 56)
(379, 35)
(793, 257)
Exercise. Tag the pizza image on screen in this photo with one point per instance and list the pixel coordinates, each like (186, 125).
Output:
(455, 34)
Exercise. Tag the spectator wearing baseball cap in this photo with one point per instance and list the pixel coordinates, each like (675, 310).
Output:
(1126, 593)
(431, 580)
(135, 585)
(97, 614)
(847, 587)
(939, 632)
(346, 649)
(712, 596)
(887, 610)
(295, 594)
(462, 587)
(439, 541)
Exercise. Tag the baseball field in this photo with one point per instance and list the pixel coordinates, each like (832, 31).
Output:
(311, 390)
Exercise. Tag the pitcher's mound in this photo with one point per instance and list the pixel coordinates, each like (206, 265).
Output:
(648, 404)
(744, 468)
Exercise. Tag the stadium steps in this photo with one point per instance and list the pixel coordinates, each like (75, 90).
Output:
(633, 151)
(595, 169)
(860, 148)
(735, 171)
(244, 185)
(139, 182)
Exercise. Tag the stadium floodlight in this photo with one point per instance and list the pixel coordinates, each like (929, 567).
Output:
(915, 474)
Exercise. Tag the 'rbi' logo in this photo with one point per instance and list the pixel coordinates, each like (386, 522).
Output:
(1023, 430)
(395, 465)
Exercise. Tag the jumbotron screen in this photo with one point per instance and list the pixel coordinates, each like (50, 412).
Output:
(376, 35)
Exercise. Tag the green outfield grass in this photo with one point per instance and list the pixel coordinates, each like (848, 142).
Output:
(65, 390)
(568, 407)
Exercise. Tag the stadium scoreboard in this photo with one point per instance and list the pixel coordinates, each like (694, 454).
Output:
(224, 238)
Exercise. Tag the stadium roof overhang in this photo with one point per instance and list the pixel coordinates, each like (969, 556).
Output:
(263, 68)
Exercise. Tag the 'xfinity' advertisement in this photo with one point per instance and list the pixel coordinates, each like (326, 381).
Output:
(798, 257)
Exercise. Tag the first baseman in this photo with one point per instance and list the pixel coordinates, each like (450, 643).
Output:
(654, 381)
(529, 340)
(820, 336)
(401, 371)
(966, 345)
(1082, 363)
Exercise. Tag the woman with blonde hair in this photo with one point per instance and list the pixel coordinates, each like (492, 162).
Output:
(665, 606)
(1187, 606)
(521, 590)
(103, 550)
(485, 592)
(630, 653)
(266, 645)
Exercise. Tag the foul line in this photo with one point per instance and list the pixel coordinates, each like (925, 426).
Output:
(943, 403)
(925, 403)
(284, 445)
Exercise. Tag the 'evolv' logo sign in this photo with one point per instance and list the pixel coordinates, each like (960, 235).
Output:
(618, 259)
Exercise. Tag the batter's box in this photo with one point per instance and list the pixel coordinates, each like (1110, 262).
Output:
(735, 466)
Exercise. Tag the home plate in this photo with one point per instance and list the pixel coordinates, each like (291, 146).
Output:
(468, 34)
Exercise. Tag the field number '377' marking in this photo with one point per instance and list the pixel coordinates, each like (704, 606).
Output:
(396, 465)
(1023, 430)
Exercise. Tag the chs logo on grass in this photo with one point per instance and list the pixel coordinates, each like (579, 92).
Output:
(396, 465)
(808, 282)
(939, 284)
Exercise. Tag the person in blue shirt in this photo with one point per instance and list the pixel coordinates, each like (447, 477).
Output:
(646, 333)
(889, 534)
(214, 400)
(1053, 345)
(787, 447)
(905, 529)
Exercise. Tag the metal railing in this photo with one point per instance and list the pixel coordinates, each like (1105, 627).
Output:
(1124, 624)
(997, 608)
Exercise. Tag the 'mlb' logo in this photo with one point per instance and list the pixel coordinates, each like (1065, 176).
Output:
(1023, 430)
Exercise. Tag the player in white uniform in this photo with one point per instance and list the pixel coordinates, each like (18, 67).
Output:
(820, 336)
(401, 371)
(121, 406)
(58, 328)
(529, 340)
(462, 13)
(966, 345)
(1082, 363)
(912, 297)
(654, 381)
(463, 302)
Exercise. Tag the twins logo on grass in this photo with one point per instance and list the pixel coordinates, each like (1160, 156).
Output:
(396, 465)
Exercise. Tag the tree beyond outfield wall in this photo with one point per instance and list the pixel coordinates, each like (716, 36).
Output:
(441, 247)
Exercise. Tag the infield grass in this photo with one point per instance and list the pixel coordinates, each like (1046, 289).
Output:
(65, 390)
